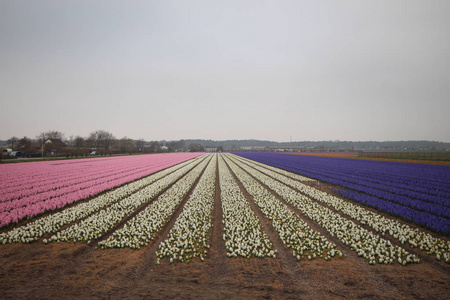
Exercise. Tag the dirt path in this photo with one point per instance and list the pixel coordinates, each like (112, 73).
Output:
(39, 271)
(218, 250)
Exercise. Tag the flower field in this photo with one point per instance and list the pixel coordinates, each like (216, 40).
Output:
(29, 189)
(415, 192)
(134, 214)
(222, 216)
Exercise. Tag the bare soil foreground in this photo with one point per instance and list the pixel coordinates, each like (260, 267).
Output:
(39, 271)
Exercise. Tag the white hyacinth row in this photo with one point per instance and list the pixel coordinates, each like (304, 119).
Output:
(262, 168)
(142, 229)
(243, 234)
(294, 232)
(404, 233)
(372, 247)
(101, 222)
(190, 235)
(51, 224)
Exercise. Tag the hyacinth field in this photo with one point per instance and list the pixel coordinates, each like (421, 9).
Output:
(283, 197)
(416, 192)
(223, 209)
(29, 189)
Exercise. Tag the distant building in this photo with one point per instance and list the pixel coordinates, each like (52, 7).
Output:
(253, 148)
(5, 151)
(210, 149)
(55, 143)
(54, 146)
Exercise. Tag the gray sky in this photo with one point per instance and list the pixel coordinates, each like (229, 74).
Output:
(313, 70)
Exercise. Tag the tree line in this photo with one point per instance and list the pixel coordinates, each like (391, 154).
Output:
(318, 145)
(54, 142)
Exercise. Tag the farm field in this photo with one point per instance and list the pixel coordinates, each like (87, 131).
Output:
(29, 189)
(223, 226)
(415, 192)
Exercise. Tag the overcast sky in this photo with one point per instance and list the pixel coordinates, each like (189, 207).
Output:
(272, 70)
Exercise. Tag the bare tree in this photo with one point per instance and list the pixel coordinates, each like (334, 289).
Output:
(51, 134)
(91, 141)
(140, 145)
(24, 144)
(195, 147)
(70, 142)
(182, 145)
(79, 142)
(126, 145)
(13, 141)
(154, 146)
(101, 139)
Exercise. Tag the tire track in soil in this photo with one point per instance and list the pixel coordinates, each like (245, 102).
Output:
(439, 265)
(350, 255)
(72, 259)
(217, 261)
(288, 261)
(46, 236)
(138, 273)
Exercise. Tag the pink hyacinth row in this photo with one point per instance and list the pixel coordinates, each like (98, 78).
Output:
(29, 189)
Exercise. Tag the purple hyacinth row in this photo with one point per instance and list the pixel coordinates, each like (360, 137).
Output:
(416, 192)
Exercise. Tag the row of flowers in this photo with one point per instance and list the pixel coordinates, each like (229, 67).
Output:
(383, 182)
(52, 223)
(30, 206)
(104, 220)
(40, 178)
(346, 173)
(143, 228)
(293, 231)
(57, 178)
(385, 226)
(428, 203)
(243, 233)
(415, 180)
(189, 236)
(64, 192)
(372, 247)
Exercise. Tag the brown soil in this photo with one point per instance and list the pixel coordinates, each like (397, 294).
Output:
(40, 271)
(64, 270)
